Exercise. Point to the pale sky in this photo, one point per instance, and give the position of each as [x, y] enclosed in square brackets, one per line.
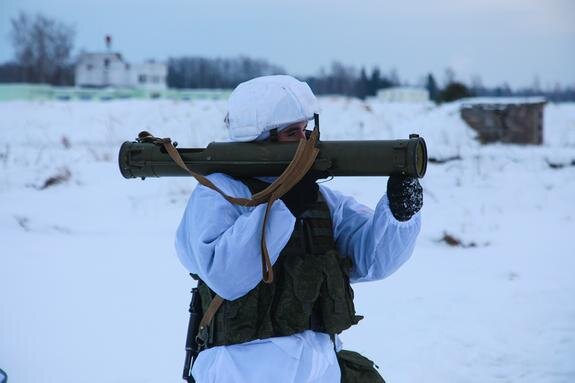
[509, 41]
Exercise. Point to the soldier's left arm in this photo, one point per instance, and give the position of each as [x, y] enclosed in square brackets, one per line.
[375, 240]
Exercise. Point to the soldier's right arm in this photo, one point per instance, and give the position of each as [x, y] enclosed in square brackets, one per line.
[220, 241]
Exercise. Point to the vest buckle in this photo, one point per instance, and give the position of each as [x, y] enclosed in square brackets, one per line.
[202, 337]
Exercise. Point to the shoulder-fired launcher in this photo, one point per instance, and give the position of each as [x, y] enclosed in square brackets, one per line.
[252, 159]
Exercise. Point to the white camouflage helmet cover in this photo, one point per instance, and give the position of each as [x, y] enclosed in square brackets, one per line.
[264, 103]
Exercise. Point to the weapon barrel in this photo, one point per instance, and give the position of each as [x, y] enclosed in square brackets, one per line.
[253, 159]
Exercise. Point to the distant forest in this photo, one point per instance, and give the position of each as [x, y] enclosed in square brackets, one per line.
[43, 54]
[340, 79]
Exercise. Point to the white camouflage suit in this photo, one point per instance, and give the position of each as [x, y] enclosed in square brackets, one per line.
[220, 242]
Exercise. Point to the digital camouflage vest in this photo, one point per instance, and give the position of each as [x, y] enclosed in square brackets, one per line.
[311, 288]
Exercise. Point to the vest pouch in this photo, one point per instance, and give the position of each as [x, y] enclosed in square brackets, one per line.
[244, 319]
[243, 306]
[356, 368]
[336, 301]
[303, 274]
[336, 270]
[298, 288]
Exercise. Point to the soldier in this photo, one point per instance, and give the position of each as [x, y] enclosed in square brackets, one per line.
[319, 241]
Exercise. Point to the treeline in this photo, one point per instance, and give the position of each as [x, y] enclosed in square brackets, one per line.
[224, 73]
[227, 73]
[42, 54]
[348, 81]
[13, 72]
[340, 79]
[557, 94]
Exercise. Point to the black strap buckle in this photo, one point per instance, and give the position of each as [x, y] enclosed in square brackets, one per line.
[147, 137]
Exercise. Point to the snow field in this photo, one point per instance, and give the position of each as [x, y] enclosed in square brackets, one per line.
[91, 290]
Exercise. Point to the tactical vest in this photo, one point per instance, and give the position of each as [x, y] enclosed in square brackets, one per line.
[310, 291]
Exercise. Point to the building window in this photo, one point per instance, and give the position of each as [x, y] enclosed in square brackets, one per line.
[89, 66]
[142, 79]
[106, 62]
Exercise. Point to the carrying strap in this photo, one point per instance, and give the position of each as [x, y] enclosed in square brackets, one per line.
[302, 161]
[202, 337]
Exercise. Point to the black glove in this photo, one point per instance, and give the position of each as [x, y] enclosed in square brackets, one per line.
[405, 196]
[302, 195]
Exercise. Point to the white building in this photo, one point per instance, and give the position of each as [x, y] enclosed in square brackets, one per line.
[99, 70]
[403, 94]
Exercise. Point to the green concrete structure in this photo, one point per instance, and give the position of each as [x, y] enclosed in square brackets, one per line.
[35, 92]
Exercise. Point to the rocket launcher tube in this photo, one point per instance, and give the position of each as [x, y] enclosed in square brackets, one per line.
[254, 159]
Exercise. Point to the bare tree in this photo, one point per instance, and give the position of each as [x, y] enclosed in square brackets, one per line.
[42, 47]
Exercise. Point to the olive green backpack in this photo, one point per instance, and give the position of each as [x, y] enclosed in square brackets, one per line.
[356, 368]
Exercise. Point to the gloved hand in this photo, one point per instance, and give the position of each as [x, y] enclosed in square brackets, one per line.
[302, 195]
[405, 196]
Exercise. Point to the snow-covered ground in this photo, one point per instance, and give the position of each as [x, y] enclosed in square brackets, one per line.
[91, 290]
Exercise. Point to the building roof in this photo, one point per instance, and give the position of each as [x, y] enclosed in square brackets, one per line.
[469, 102]
[93, 55]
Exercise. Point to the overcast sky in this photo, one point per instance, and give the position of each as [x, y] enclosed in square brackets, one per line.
[509, 41]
